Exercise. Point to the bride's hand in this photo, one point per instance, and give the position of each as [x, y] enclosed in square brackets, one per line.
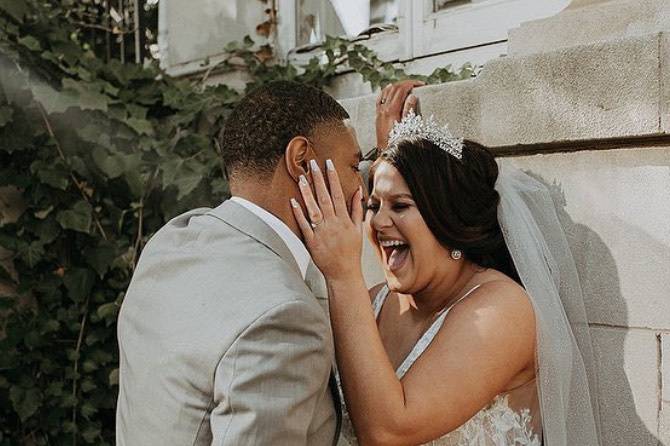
[393, 103]
[332, 236]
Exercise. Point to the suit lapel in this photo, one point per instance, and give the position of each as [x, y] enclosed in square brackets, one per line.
[248, 223]
[317, 283]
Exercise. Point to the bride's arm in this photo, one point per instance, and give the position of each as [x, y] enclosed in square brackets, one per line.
[486, 341]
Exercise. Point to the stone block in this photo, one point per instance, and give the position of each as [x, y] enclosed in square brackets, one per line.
[455, 103]
[598, 91]
[615, 207]
[349, 85]
[664, 423]
[605, 90]
[362, 113]
[627, 362]
[665, 83]
[590, 24]
[665, 367]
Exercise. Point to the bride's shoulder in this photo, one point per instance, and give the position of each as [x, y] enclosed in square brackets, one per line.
[501, 298]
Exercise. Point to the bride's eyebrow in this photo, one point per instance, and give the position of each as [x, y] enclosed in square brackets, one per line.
[391, 197]
[404, 195]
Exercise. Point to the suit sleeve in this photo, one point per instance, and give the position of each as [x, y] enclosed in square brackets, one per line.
[268, 384]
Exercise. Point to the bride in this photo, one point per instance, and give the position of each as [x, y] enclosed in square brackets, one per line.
[478, 335]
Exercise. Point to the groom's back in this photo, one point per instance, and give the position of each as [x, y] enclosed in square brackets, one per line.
[211, 327]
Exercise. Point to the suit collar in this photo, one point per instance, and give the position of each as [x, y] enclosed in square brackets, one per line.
[248, 223]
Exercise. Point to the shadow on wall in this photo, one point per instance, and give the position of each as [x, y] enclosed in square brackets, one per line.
[620, 423]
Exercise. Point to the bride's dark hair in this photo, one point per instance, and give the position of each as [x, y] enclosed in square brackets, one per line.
[456, 198]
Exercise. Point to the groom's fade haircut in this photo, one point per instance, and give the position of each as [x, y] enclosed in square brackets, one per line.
[255, 135]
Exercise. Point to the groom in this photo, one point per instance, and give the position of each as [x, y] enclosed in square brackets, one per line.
[221, 340]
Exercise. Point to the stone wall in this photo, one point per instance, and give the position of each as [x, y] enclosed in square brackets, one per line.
[590, 117]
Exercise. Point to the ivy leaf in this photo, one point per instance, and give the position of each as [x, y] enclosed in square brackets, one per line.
[141, 126]
[100, 257]
[88, 410]
[18, 9]
[25, 402]
[74, 94]
[32, 253]
[115, 164]
[5, 274]
[108, 310]
[31, 43]
[78, 218]
[47, 230]
[6, 114]
[111, 165]
[79, 283]
[52, 100]
[89, 96]
[91, 433]
[185, 176]
[44, 213]
[114, 377]
[55, 174]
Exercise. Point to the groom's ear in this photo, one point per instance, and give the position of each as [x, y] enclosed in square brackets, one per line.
[297, 155]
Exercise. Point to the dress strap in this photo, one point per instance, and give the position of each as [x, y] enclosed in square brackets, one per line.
[428, 336]
[379, 299]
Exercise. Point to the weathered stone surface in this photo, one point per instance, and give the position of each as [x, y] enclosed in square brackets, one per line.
[362, 113]
[456, 103]
[599, 91]
[586, 23]
[615, 209]
[665, 82]
[628, 385]
[372, 269]
[605, 90]
[664, 424]
[665, 367]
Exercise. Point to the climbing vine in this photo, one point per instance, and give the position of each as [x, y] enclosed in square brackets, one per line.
[101, 154]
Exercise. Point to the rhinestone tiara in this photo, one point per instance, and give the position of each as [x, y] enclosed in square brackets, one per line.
[413, 125]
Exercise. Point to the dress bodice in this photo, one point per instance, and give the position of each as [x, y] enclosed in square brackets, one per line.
[512, 418]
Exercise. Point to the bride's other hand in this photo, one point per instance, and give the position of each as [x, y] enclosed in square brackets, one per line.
[333, 237]
[393, 103]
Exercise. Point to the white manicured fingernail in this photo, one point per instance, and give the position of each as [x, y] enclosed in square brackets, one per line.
[314, 165]
[294, 203]
[330, 165]
[303, 180]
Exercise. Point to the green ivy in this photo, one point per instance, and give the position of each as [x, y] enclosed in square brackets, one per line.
[103, 154]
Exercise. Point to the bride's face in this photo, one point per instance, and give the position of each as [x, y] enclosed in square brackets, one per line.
[409, 252]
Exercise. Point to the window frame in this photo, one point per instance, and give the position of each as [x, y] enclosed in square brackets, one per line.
[423, 32]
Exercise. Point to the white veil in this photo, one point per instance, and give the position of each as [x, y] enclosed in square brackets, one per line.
[566, 377]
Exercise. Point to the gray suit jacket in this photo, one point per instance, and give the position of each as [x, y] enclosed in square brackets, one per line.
[221, 341]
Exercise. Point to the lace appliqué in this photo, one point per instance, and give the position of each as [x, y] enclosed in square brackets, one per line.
[496, 425]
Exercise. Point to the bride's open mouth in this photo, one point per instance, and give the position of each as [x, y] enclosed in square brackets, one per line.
[395, 252]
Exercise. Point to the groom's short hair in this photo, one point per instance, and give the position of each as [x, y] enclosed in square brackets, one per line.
[256, 133]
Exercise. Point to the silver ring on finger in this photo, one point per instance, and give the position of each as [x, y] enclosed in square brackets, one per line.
[382, 101]
[314, 224]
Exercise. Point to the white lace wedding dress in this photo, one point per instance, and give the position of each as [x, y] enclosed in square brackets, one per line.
[511, 419]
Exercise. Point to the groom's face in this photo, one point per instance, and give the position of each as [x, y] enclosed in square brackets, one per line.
[340, 145]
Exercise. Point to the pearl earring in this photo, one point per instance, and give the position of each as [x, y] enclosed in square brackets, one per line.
[456, 254]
